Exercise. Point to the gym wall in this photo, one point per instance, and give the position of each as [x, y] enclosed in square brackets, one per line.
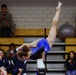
[38, 14]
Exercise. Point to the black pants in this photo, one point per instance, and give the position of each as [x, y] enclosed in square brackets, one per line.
[6, 31]
[38, 54]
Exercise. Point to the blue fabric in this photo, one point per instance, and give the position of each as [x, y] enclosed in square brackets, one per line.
[42, 43]
[68, 72]
[15, 71]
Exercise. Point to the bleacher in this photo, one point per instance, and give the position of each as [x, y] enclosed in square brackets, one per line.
[5, 42]
[30, 32]
[54, 60]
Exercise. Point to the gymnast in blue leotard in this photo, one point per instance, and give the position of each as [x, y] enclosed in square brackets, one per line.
[36, 52]
[42, 45]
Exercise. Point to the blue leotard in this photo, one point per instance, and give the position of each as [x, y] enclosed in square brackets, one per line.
[42, 43]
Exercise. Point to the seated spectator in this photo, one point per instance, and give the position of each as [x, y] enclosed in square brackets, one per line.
[4, 64]
[7, 25]
[18, 66]
[10, 54]
[71, 64]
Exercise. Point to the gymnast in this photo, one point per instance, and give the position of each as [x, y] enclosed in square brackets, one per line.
[38, 48]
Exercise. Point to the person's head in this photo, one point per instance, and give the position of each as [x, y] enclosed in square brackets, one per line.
[12, 46]
[71, 54]
[1, 53]
[23, 54]
[4, 8]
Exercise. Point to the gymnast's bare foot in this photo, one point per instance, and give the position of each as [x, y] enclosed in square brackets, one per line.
[59, 5]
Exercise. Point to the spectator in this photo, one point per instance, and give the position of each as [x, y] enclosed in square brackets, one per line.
[10, 54]
[71, 64]
[18, 66]
[6, 23]
[4, 64]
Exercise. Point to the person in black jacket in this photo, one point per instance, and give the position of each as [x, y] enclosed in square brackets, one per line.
[71, 64]
[18, 66]
[4, 64]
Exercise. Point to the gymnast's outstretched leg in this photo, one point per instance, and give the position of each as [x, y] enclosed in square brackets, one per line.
[52, 33]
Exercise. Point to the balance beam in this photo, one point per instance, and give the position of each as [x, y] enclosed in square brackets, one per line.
[41, 67]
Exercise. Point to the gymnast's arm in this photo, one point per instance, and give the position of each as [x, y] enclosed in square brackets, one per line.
[30, 45]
